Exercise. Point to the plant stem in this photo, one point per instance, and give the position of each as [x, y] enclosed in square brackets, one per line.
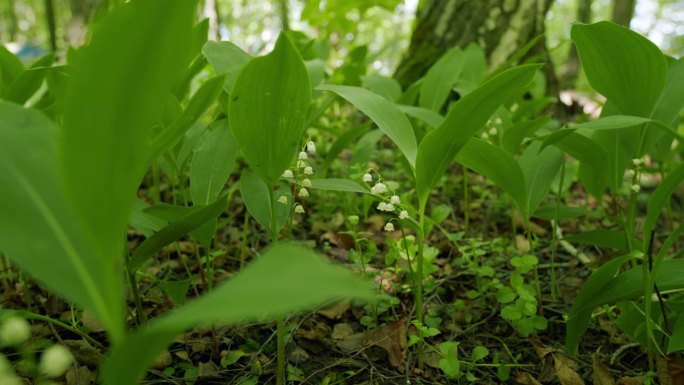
[419, 284]
[280, 328]
[466, 203]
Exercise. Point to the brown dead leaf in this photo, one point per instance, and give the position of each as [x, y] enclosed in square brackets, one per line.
[84, 352]
[163, 360]
[565, 370]
[522, 244]
[525, 378]
[91, 322]
[601, 374]
[670, 370]
[545, 354]
[345, 241]
[207, 369]
[392, 338]
[335, 311]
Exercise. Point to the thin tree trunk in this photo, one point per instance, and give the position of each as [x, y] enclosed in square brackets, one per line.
[623, 11]
[51, 23]
[500, 27]
[572, 64]
[211, 10]
[13, 27]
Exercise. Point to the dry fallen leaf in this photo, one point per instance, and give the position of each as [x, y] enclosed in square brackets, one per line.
[670, 370]
[335, 311]
[631, 380]
[392, 338]
[525, 378]
[565, 370]
[601, 374]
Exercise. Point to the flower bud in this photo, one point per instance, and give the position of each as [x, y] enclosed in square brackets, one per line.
[282, 199]
[303, 156]
[55, 361]
[306, 182]
[303, 192]
[403, 214]
[395, 200]
[389, 226]
[379, 188]
[299, 209]
[308, 170]
[353, 220]
[288, 174]
[14, 331]
[636, 188]
[367, 177]
[311, 147]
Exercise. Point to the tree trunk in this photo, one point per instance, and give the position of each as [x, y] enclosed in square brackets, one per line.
[284, 15]
[51, 23]
[212, 11]
[623, 11]
[572, 64]
[81, 11]
[13, 27]
[500, 27]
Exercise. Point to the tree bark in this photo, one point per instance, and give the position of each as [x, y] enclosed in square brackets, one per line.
[13, 27]
[51, 23]
[572, 64]
[500, 27]
[623, 11]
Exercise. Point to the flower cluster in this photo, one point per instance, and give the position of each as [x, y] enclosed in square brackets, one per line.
[301, 174]
[389, 203]
[633, 174]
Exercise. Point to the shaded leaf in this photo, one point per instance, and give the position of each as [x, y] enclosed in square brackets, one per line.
[212, 164]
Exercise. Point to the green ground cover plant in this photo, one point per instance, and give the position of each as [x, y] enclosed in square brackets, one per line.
[162, 184]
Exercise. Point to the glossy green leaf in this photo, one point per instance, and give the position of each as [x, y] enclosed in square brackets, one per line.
[497, 165]
[338, 184]
[607, 239]
[384, 86]
[283, 280]
[624, 66]
[513, 136]
[677, 338]
[212, 163]
[116, 94]
[557, 213]
[227, 59]
[579, 317]
[660, 197]
[384, 113]
[203, 233]
[432, 118]
[440, 78]
[197, 216]
[612, 122]
[29, 81]
[10, 68]
[625, 286]
[39, 229]
[267, 109]
[205, 96]
[540, 168]
[255, 194]
[467, 117]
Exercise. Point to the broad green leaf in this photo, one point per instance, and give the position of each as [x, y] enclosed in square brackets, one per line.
[343, 141]
[440, 78]
[624, 66]
[285, 279]
[116, 94]
[497, 165]
[580, 147]
[513, 136]
[227, 59]
[142, 222]
[203, 233]
[578, 317]
[267, 109]
[212, 163]
[540, 168]
[255, 194]
[432, 118]
[557, 213]
[10, 68]
[449, 362]
[384, 86]
[467, 117]
[474, 69]
[384, 113]
[660, 197]
[607, 239]
[39, 229]
[667, 110]
[338, 184]
[677, 338]
[29, 81]
[613, 122]
[202, 99]
[198, 216]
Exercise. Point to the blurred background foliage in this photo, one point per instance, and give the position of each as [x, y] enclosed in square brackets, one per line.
[374, 34]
